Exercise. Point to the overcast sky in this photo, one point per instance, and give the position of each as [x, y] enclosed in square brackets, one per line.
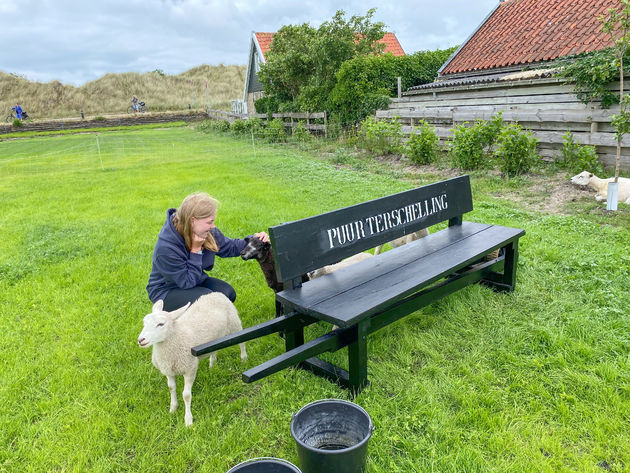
[76, 41]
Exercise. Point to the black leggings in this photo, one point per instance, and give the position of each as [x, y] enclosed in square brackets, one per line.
[177, 298]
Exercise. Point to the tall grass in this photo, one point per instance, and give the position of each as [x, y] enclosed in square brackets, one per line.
[112, 93]
[533, 381]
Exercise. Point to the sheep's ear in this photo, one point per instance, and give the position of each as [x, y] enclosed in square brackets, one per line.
[158, 306]
[247, 239]
[179, 312]
[267, 245]
[590, 174]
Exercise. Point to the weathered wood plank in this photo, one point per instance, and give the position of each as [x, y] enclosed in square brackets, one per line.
[537, 116]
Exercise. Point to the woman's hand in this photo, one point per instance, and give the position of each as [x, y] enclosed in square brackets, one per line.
[262, 236]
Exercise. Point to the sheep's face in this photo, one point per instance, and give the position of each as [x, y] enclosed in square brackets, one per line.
[158, 324]
[582, 179]
[255, 249]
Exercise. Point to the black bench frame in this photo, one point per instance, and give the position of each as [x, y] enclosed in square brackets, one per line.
[369, 295]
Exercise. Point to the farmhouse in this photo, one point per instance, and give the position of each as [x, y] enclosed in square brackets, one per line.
[507, 65]
[260, 44]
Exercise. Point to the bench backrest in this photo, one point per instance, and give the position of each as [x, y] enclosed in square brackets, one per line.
[305, 245]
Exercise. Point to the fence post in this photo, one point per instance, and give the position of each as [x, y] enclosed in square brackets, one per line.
[399, 87]
[325, 125]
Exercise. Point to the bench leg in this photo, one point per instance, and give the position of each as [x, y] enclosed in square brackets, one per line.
[505, 281]
[357, 358]
[509, 267]
[294, 338]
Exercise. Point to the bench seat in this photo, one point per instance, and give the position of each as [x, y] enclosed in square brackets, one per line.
[352, 293]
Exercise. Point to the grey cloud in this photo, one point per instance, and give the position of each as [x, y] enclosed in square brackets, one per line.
[77, 41]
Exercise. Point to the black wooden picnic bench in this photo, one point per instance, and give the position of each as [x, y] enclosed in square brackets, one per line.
[373, 293]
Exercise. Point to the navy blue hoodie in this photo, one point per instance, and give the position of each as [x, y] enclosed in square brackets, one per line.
[176, 267]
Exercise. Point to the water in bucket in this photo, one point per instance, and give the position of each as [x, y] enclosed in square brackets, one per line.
[332, 436]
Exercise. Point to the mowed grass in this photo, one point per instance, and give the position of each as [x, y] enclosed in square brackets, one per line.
[533, 381]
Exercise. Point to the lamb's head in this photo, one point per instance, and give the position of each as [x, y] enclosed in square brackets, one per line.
[582, 179]
[158, 324]
[255, 249]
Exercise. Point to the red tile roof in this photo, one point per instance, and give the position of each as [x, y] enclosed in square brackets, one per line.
[528, 31]
[389, 39]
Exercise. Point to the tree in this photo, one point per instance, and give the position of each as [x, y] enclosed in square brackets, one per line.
[617, 24]
[303, 61]
[365, 84]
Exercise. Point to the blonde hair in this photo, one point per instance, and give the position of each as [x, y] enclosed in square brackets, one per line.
[198, 205]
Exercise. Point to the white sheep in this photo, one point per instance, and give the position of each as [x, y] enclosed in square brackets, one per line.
[342, 264]
[403, 240]
[173, 334]
[589, 179]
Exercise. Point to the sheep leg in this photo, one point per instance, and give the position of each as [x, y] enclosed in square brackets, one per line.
[189, 379]
[243, 352]
[172, 387]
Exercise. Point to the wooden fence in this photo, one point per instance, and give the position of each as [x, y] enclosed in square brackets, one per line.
[547, 107]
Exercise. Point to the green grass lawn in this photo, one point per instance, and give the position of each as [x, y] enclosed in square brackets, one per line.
[533, 381]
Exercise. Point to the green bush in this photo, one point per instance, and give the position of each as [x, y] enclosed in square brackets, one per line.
[381, 136]
[467, 147]
[275, 132]
[491, 130]
[422, 146]
[516, 150]
[365, 83]
[470, 146]
[300, 132]
[267, 104]
[17, 123]
[240, 127]
[99, 119]
[257, 127]
[221, 125]
[207, 126]
[576, 158]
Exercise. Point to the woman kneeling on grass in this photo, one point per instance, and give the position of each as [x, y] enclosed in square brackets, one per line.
[185, 248]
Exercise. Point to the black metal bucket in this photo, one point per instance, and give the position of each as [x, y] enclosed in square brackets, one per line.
[332, 436]
[265, 465]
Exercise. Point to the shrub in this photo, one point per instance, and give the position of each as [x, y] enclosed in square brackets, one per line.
[220, 125]
[381, 136]
[266, 104]
[207, 126]
[491, 130]
[257, 127]
[300, 133]
[576, 158]
[240, 127]
[364, 84]
[275, 132]
[471, 145]
[99, 119]
[422, 147]
[467, 149]
[17, 123]
[516, 150]
[342, 156]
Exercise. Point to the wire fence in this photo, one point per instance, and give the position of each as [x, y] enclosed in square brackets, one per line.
[90, 152]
